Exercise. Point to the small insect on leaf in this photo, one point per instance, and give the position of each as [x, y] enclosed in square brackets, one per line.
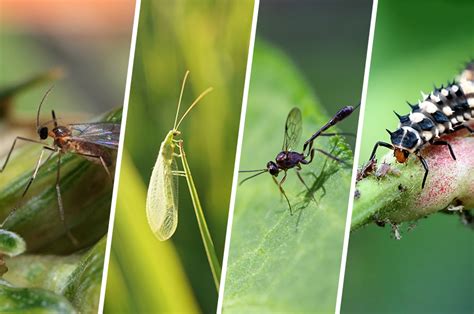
[162, 196]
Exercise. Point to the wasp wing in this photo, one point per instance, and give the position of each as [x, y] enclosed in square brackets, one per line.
[100, 133]
[293, 129]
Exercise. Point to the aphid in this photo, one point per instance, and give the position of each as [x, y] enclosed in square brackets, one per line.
[288, 158]
[443, 111]
[92, 141]
[366, 169]
[162, 196]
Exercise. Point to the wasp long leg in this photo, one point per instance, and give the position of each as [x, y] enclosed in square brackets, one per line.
[282, 191]
[338, 133]
[379, 143]
[304, 183]
[60, 203]
[13, 147]
[338, 117]
[425, 165]
[331, 156]
[444, 143]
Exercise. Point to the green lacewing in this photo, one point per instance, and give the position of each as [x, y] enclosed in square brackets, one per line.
[162, 196]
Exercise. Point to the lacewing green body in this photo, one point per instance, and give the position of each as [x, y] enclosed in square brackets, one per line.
[162, 196]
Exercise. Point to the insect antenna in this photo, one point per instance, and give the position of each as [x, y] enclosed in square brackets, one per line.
[204, 93]
[260, 171]
[41, 103]
[180, 97]
[176, 122]
[55, 121]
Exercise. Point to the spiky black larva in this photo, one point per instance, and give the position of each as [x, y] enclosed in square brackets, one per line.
[443, 111]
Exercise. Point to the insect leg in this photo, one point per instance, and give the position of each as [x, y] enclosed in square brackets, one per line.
[339, 133]
[101, 159]
[425, 165]
[180, 173]
[331, 156]
[38, 165]
[463, 126]
[33, 176]
[283, 191]
[304, 183]
[446, 144]
[18, 138]
[60, 203]
[374, 150]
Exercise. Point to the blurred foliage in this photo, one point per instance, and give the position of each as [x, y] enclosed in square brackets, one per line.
[209, 38]
[59, 284]
[275, 259]
[431, 268]
[31, 300]
[332, 62]
[92, 66]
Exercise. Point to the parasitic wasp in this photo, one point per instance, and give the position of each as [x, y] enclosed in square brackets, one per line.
[289, 157]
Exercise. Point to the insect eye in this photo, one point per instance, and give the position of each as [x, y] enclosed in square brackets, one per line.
[272, 168]
[43, 133]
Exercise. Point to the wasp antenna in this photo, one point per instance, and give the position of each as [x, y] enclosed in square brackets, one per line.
[252, 176]
[41, 103]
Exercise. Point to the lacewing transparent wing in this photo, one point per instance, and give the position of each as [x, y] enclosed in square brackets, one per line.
[100, 133]
[162, 196]
[293, 129]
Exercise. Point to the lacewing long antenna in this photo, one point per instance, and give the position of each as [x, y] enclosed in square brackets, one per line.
[41, 103]
[180, 97]
[204, 93]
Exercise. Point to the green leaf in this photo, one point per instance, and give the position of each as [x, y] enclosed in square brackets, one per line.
[279, 262]
[83, 285]
[76, 277]
[31, 300]
[11, 244]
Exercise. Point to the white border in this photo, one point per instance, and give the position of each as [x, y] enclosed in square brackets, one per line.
[237, 155]
[356, 157]
[119, 156]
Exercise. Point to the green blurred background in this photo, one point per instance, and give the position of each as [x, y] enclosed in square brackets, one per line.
[278, 263]
[90, 43]
[327, 41]
[210, 38]
[431, 269]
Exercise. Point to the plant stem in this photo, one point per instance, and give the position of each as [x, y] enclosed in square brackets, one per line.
[398, 197]
[206, 236]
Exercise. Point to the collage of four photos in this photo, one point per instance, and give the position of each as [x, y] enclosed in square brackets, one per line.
[254, 156]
